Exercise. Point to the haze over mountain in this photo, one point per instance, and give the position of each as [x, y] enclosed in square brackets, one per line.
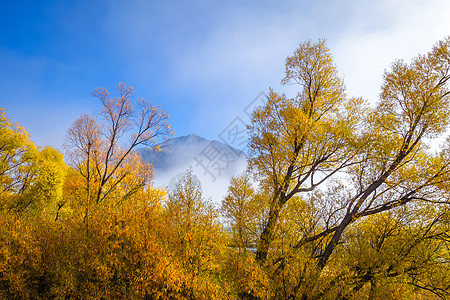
[213, 162]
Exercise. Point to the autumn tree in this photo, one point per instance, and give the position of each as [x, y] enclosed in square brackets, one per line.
[96, 147]
[395, 167]
[392, 255]
[242, 212]
[31, 196]
[17, 156]
[195, 237]
[30, 178]
[382, 154]
[299, 143]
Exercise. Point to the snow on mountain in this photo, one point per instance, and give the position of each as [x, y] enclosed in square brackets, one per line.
[213, 162]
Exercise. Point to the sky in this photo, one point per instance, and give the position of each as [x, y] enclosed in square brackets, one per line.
[203, 62]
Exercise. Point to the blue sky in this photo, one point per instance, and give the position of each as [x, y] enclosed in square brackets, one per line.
[202, 61]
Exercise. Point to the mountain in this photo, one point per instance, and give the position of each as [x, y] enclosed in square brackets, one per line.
[213, 162]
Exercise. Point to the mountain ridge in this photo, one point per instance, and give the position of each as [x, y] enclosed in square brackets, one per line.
[162, 158]
[212, 161]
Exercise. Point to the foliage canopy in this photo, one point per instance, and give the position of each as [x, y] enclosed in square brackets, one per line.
[341, 200]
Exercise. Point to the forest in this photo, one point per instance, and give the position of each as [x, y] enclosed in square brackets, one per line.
[342, 198]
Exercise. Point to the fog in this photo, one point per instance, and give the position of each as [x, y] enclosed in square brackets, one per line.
[213, 162]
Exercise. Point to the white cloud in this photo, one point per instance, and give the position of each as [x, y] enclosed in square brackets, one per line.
[219, 56]
[247, 51]
[364, 52]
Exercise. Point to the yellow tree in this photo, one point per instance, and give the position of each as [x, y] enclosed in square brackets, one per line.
[194, 236]
[30, 178]
[382, 153]
[31, 182]
[395, 167]
[46, 190]
[398, 254]
[242, 212]
[298, 143]
[17, 156]
[112, 179]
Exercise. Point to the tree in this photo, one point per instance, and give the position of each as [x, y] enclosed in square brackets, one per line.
[31, 179]
[195, 237]
[242, 212]
[297, 144]
[382, 153]
[31, 188]
[395, 168]
[96, 150]
[391, 254]
[17, 156]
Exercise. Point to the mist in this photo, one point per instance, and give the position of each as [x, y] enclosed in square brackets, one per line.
[213, 162]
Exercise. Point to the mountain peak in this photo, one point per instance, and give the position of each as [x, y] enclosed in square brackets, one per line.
[213, 162]
[193, 138]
